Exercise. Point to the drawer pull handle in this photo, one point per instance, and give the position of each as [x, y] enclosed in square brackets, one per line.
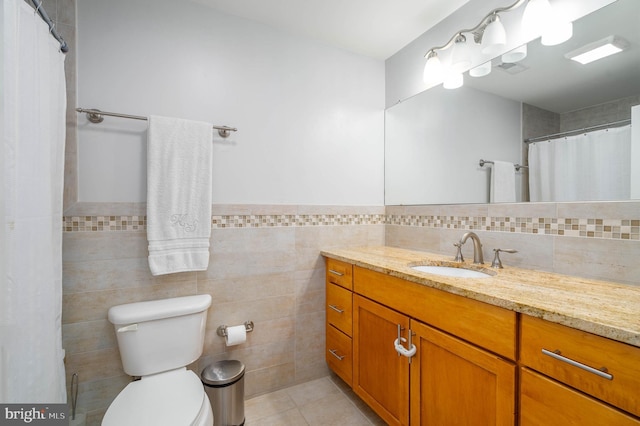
[333, 352]
[557, 355]
[336, 272]
[335, 308]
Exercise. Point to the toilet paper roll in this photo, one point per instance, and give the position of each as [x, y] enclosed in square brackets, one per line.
[236, 335]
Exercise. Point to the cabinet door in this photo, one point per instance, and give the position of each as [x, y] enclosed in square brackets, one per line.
[544, 401]
[455, 383]
[380, 376]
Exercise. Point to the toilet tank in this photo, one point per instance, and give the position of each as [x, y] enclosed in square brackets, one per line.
[160, 335]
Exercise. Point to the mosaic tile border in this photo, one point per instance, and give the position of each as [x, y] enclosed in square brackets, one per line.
[572, 227]
[139, 223]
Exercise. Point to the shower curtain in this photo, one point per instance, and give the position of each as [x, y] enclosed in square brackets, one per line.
[593, 166]
[31, 169]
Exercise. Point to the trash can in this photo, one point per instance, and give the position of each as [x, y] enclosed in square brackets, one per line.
[224, 384]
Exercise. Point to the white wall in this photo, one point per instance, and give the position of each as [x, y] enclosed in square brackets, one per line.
[434, 141]
[310, 116]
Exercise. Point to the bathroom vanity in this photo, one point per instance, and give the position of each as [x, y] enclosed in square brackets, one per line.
[516, 347]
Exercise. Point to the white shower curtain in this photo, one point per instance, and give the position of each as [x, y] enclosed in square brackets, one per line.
[592, 166]
[31, 169]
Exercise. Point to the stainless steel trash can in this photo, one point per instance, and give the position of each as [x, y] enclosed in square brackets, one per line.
[224, 384]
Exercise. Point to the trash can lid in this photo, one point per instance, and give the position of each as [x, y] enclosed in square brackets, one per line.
[222, 372]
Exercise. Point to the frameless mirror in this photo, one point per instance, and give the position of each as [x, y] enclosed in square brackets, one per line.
[434, 140]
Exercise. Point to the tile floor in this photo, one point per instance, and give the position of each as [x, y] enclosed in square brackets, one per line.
[325, 401]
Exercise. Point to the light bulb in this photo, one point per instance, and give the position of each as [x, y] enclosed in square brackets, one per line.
[535, 17]
[559, 31]
[460, 56]
[494, 37]
[515, 55]
[433, 71]
[453, 80]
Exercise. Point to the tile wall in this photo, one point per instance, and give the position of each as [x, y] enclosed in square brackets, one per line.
[599, 240]
[265, 266]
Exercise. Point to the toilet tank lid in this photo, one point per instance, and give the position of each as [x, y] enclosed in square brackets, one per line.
[157, 309]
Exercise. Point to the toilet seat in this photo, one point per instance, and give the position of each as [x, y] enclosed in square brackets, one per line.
[172, 398]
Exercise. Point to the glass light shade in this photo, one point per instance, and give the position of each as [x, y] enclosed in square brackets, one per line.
[433, 72]
[461, 55]
[535, 17]
[494, 37]
[515, 55]
[481, 70]
[558, 31]
[453, 80]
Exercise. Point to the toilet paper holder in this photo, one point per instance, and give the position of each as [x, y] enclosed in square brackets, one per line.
[222, 330]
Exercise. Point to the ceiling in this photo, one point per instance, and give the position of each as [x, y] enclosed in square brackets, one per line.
[374, 28]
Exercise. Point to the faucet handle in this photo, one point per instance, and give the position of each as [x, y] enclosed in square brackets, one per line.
[458, 257]
[497, 263]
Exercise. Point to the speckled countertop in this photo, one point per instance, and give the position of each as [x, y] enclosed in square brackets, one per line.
[603, 308]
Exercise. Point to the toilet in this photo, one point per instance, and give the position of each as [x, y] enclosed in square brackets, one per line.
[157, 340]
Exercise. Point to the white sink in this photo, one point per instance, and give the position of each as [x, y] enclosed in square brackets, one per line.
[449, 271]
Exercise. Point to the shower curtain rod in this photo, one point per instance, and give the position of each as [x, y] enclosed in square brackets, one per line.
[96, 116]
[64, 47]
[578, 131]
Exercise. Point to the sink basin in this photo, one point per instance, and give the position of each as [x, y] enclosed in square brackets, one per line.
[449, 271]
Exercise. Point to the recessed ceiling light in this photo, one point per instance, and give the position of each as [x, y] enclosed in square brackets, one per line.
[598, 50]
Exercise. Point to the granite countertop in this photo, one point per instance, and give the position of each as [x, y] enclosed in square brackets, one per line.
[607, 309]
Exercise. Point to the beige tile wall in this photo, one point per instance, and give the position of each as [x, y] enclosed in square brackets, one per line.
[265, 266]
[598, 240]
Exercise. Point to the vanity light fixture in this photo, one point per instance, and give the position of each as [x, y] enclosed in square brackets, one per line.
[460, 56]
[490, 38]
[494, 37]
[515, 55]
[598, 50]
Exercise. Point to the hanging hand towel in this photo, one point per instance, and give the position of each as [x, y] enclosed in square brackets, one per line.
[503, 183]
[179, 184]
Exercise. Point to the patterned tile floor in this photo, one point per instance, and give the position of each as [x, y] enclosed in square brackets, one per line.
[325, 401]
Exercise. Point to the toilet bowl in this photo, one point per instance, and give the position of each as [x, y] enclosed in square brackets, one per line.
[157, 340]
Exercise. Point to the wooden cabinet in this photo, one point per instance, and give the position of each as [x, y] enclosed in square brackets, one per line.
[474, 363]
[340, 273]
[339, 348]
[544, 401]
[455, 383]
[482, 324]
[380, 376]
[448, 381]
[604, 369]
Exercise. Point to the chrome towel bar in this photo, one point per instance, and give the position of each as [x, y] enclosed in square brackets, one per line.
[97, 116]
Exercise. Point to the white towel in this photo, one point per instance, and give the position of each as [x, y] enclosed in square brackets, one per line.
[503, 183]
[179, 184]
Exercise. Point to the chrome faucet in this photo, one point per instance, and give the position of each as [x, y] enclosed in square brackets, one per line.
[477, 246]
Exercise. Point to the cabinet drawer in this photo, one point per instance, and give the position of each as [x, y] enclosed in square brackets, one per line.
[339, 308]
[485, 325]
[340, 273]
[546, 402]
[339, 354]
[566, 354]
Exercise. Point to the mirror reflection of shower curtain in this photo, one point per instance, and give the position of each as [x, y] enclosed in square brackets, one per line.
[592, 166]
[31, 182]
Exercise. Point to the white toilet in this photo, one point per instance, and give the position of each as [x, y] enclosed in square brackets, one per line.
[157, 340]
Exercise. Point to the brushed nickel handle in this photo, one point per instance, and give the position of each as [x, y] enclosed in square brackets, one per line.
[335, 308]
[557, 355]
[333, 352]
[336, 272]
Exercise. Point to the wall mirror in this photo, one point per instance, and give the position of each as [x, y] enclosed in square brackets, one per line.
[435, 139]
